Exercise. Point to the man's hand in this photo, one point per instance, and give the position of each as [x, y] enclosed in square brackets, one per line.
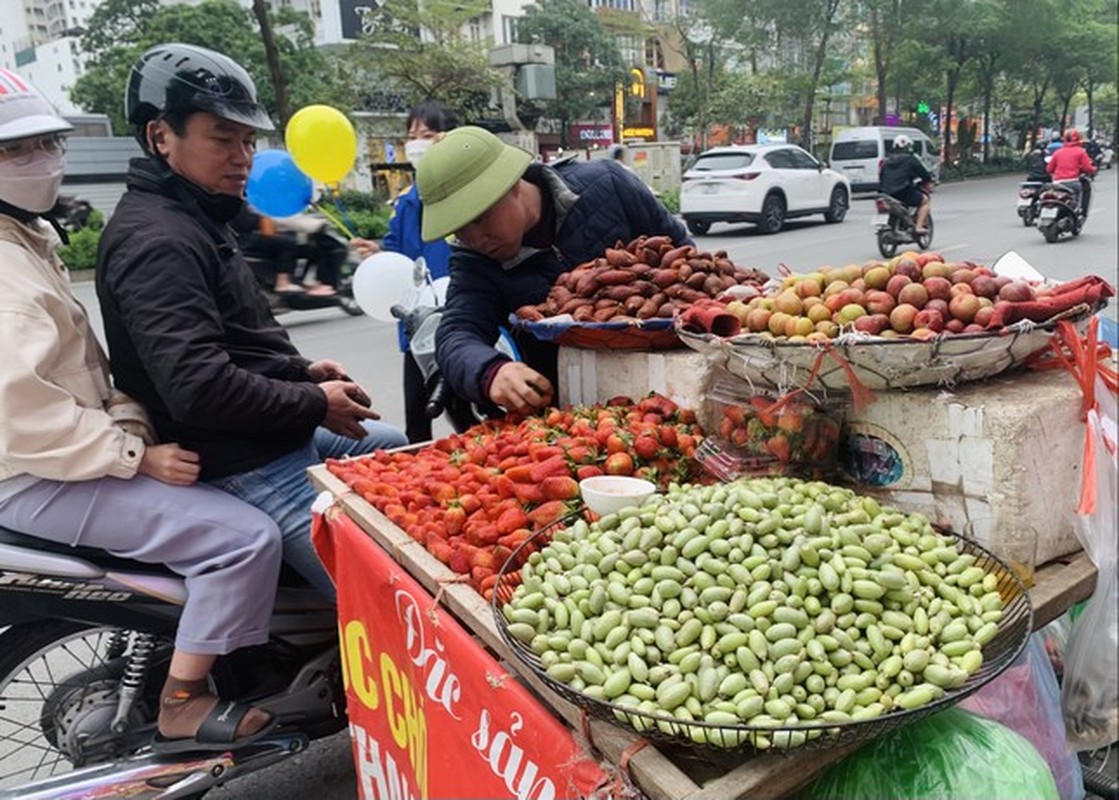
[518, 387]
[347, 405]
[171, 464]
[327, 370]
[364, 247]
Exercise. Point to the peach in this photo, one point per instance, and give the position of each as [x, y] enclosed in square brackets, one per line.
[819, 313]
[877, 277]
[985, 286]
[936, 269]
[963, 275]
[929, 318]
[909, 268]
[938, 288]
[915, 294]
[964, 307]
[835, 287]
[954, 326]
[850, 313]
[788, 302]
[923, 334]
[973, 328]
[929, 257]
[897, 283]
[777, 322]
[799, 326]
[901, 318]
[828, 328]
[758, 320]
[940, 306]
[853, 295]
[879, 302]
[960, 288]
[983, 316]
[808, 287]
[1016, 292]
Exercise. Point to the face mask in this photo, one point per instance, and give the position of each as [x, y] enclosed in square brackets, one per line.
[34, 186]
[414, 149]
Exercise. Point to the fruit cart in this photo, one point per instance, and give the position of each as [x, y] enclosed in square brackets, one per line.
[657, 770]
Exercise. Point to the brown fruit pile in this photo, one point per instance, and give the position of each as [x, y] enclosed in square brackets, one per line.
[647, 278]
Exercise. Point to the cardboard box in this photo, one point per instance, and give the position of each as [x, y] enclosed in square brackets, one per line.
[591, 376]
[1004, 454]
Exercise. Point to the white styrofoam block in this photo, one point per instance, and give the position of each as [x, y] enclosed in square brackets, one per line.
[590, 376]
[1004, 454]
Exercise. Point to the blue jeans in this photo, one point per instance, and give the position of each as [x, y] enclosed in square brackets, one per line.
[282, 490]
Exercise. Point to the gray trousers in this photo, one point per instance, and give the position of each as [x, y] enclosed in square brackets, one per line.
[228, 552]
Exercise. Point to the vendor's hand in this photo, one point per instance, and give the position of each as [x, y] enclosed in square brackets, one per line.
[347, 405]
[365, 247]
[171, 464]
[326, 370]
[518, 387]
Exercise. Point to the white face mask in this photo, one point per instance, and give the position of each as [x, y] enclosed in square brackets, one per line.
[414, 149]
[35, 186]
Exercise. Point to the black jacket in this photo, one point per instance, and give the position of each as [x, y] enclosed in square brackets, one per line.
[900, 171]
[191, 335]
[1035, 166]
[596, 204]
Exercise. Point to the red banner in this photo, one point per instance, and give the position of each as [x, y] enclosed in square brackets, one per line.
[432, 715]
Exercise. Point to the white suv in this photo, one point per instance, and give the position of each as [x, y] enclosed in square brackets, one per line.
[765, 184]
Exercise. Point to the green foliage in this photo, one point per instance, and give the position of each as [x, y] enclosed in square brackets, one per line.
[367, 221]
[588, 63]
[443, 64]
[671, 200]
[974, 168]
[120, 30]
[81, 253]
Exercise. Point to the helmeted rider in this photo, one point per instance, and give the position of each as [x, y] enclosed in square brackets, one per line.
[897, 179]
[1068, 164]
[190, 333]
[1036, 162]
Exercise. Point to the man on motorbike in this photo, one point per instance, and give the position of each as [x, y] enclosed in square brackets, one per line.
[898, 177]
[520, 225]
[1036, 164]
[1068, 164]
[80, 466]
[190, 334]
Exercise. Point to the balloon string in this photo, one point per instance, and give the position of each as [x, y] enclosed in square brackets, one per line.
[342, 210]
[333, 218]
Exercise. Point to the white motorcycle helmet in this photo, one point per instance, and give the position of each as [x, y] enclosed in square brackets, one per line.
[903, 142]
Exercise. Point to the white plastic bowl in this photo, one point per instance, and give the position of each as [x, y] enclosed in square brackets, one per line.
[606, 494]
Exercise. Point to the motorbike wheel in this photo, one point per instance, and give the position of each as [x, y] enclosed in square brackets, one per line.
[54, 674]
[1028, 218]
[698, 228]
[351, 307]
[925, 239]
[886, 244]
[1051, 233]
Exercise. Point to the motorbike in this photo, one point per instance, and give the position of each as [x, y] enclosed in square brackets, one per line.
[895, 224]
[1028, 192]
[1060, 209]
[333, 256]
[86, 650]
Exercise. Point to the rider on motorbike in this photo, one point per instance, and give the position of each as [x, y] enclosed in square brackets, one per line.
[897, 176]
[79, 464]
[1068, 164]
[1036, 163]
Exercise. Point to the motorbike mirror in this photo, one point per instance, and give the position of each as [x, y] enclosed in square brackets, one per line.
[382, 281]
[1012, 265]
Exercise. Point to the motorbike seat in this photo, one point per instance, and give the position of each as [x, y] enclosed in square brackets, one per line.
[96, 555]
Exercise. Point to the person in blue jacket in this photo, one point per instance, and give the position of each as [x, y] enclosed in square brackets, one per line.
[519, 224]
[426, 123]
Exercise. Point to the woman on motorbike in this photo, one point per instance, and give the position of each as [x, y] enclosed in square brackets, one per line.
[426, 123]
[78, 462]
[1068, 164]
[897, 179]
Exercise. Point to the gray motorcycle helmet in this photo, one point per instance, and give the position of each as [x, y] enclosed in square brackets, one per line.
[181, 78]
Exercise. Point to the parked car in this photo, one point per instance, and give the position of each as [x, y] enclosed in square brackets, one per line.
[763, 184]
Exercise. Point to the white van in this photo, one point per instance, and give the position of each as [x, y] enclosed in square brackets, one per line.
[858, 153]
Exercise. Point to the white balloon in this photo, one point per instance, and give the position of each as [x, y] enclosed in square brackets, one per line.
[383, 280]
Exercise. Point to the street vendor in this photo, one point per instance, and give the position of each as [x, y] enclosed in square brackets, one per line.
[519, 225]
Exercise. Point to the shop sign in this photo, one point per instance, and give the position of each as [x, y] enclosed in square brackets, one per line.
[666, 81]
[591, 135]
[431, 713]
[639, 133]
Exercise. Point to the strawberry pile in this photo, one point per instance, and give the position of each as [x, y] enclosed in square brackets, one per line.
[472, 498]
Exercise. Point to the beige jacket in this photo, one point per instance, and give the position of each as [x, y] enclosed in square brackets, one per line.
[59, 417]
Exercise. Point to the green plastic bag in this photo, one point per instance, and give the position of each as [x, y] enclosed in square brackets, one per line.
[953, 755]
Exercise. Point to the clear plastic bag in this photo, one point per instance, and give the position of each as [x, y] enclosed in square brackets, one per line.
[1090, 692]
[953, 755]
[1027, 699]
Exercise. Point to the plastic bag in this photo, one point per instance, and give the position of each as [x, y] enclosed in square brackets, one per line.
[953, 755]
[1027, 699]
[1090, 693]
[1055, 637]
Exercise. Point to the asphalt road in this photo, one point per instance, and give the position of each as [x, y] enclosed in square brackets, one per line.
[974, 220]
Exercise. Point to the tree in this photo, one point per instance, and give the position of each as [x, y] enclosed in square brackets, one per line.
[120, 30]
[419, 50]
[588, 64]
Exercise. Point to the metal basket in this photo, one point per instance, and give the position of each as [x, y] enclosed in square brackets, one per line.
[1013, 633]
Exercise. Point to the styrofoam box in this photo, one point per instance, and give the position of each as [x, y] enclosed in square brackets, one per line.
[591, 376]
[1004, 453]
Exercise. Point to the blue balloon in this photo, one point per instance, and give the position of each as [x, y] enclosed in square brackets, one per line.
[276, 187]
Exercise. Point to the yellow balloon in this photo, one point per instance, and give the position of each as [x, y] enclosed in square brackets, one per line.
[322, 142]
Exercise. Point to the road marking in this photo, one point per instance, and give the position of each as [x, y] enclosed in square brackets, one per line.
[950, 247]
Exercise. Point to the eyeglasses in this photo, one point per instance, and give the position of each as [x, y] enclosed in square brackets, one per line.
[22, 151]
